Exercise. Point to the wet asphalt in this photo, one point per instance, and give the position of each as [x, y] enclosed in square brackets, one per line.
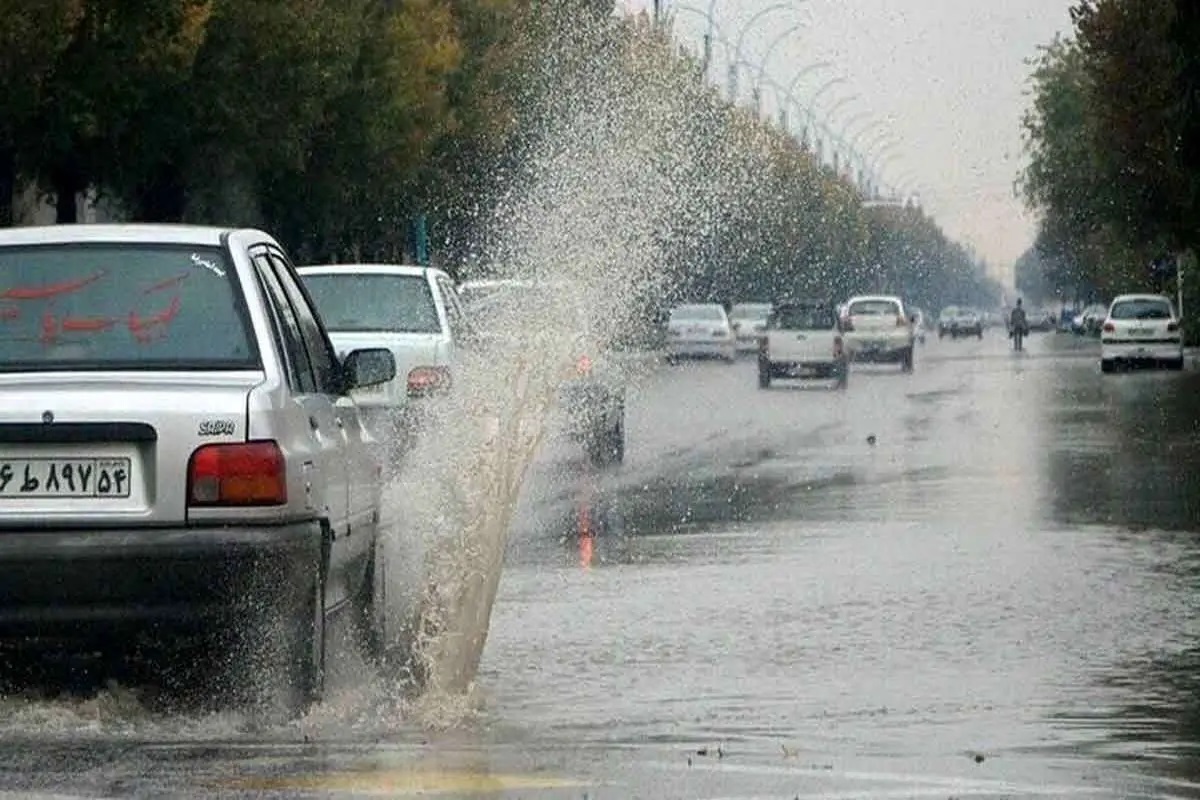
[975, 580]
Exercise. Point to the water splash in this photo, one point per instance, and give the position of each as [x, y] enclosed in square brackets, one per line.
[620, 172]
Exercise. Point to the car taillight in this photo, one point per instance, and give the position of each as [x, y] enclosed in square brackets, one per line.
[1109, 327]
[584, 365]
[242, 474]
[1172, 327]
[423, 380]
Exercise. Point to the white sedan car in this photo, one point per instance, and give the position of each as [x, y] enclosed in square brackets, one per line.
[1141, 329]
[877, 329]
[749, 322]
[700, 330]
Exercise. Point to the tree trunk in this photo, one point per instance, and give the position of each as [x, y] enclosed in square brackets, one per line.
[8, 187]
[164, 199]
[67, 188]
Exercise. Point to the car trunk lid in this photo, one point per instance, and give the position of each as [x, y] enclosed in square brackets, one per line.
[111, 449]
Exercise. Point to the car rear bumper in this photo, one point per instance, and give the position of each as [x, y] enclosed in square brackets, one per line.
[1141, 351]
[87, 584]
[748, 341]
[719, 348]
[878, 348]
[807, 368]
[588, 406]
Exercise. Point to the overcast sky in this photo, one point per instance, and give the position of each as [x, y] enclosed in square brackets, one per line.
[947, 78]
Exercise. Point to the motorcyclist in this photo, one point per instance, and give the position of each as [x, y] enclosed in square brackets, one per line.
[1018, 324]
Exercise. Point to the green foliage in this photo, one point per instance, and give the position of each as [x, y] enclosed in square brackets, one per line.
[1112, 135]
[333, 122]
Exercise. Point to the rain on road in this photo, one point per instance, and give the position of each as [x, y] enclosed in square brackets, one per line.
[995, 598]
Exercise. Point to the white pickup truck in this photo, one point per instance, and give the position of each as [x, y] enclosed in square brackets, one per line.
[802, 340]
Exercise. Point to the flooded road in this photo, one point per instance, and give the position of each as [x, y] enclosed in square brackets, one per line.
[975, 580]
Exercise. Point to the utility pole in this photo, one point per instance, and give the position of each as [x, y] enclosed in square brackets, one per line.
[657, 12]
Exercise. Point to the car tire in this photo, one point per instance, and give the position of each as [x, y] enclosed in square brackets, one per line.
[306, 644]
[1175, 364]
[607, 444]
[1107, 366]
[368, 607]
[979, 333]
[764, 374]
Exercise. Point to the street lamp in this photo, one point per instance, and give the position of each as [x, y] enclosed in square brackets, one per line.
[737, 47]
[762, 65]
[789, 94]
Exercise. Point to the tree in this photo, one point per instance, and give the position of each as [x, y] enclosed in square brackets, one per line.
[116, 59]
[32, 38]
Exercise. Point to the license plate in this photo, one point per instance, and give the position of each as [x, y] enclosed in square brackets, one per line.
[65, 477]
[1141, 331]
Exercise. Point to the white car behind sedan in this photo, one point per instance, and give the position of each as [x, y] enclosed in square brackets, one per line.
[700, 330]
[410, 310]
[1141, 329]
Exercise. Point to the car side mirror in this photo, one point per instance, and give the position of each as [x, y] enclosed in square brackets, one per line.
[367, 367]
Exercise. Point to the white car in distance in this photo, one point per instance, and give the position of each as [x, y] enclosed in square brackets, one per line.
[412, 311]
[803, 340]
[1141, 329]
[749, 321]
[700, 330]
[878, 329]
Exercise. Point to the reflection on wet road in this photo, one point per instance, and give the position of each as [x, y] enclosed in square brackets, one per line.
[975, 580]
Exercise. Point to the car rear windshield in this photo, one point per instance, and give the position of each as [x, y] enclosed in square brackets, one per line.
[697, 313]
[1147, 308]
[121, 306]
[750, 311]
[804, 318]
[354, 302]
[874, 308]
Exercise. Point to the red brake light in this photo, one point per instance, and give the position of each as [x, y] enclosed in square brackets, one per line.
[424, 380]
[242, 474]
[584, 365]
[1109, 327]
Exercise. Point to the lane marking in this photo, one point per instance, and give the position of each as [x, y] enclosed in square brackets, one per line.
[963, 784]
[399, 782]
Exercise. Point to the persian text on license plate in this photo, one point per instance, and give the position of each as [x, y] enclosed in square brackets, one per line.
[64, 477]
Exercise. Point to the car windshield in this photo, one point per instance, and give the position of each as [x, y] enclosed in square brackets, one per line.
[751, 311]
[874, 308]
[121, 306]
[357, 302]
[1142, 308]
[697, 314]
[804, 317]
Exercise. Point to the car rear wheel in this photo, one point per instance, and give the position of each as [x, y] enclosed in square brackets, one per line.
[306, 648]
[1175, 364]
[607, 445]
[1107, 366]
[764, 374]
